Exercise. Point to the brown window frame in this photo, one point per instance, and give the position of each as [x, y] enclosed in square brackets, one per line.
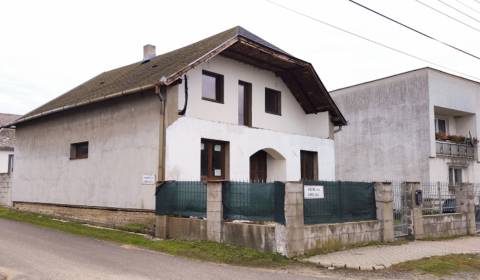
[209, 146]
[277, 106]
[303, 165]
[247, 103]
[219, 87]
[75, 148]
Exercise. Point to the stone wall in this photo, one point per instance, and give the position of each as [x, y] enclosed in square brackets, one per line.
[186, 228]
[109, 217]
[322, 235]
[444, 225]
[5, 190]
[259, 237]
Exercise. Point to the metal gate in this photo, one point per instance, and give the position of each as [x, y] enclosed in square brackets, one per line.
[400, 209]
[477, 205]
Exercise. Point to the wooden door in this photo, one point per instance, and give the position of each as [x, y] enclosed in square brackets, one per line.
[258, 167]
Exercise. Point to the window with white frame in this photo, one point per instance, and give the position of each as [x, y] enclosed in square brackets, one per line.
[454, 176]
[441, 125]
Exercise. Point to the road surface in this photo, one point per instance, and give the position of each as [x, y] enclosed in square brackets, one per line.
[30, 252]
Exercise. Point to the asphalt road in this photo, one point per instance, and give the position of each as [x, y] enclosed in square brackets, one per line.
[29, 252]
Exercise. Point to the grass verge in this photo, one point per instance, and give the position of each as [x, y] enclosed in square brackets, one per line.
[202, 250]
[443, 265]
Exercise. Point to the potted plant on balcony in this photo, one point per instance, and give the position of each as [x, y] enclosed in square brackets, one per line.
[441, 136]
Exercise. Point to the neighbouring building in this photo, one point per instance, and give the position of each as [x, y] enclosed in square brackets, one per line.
[7, 143]
[231, 106]
[420, 125]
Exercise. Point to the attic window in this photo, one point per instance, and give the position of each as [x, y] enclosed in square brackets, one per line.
[212, 86]
[273, 101]
[79, 150]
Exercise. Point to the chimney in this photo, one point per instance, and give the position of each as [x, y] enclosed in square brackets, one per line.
[148, 52]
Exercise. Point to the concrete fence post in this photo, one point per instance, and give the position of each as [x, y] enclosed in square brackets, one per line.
[465, 203]
[384, 203]
[415, 215]
[293, 231]
[161, 226]
[214, 211]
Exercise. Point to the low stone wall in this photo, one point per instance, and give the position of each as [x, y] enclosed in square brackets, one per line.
[259, 237]
[323, 235]
[99, 216]
[5, 190]
[256, 236]
[186, 228]
[444, 225]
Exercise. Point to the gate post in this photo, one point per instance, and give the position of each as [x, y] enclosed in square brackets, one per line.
[415, 215]
[290, 238]
[214, 211]
[384, 202]
[465, 203]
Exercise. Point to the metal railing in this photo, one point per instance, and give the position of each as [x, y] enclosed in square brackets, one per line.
[460, 150]
[476, 188]
[438, 198]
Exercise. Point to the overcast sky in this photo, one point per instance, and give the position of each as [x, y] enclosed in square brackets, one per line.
[49, 47]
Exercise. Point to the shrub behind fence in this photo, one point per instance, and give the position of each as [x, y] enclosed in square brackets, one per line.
[182, 198]
[342, 202]
[254, 201]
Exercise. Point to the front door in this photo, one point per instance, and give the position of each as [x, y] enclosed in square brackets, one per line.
[258, 167]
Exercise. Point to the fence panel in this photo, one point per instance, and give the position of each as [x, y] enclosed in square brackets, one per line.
[182, 198]
[477, 205]
[342, 202]
[254, 201]
[400, 209]
[438, 198]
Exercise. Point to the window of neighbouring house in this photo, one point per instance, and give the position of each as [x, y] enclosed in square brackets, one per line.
[244, 103]
[441, 126]
[212, 86]
[213, 156]
[79, 150]
[273, 101]
[309, 165]
[10, 163]
[454, 176]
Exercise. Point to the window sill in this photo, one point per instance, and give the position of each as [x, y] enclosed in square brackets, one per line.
[212, 100]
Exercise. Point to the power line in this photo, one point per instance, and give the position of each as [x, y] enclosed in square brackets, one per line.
[468, 6]
[370, 40]
[458, 10]
[447, 15]
[414, 30]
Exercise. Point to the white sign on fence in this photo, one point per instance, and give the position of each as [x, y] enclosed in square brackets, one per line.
[313, 192]
[148, 179]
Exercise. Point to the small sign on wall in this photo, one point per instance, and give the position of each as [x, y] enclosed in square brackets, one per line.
[313, 192]
[148, 179]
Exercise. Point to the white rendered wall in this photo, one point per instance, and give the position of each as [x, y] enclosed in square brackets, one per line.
[123, 137]
[183, 149]
[4, 161]
[292, 120]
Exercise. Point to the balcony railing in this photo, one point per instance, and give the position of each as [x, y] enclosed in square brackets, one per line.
[458, 150]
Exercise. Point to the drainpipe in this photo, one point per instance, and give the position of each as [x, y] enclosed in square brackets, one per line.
[184, 109]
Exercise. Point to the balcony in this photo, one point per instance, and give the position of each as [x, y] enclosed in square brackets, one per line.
[456, 150]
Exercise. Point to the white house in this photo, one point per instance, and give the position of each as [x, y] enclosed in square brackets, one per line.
[231, 106]
[420, 125]
[7, 143]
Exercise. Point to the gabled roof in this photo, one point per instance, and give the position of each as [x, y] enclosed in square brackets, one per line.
[165, 69]
[7, 136]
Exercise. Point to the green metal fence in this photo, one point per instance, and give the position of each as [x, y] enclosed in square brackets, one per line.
[341, 202]
[182, 198]
[254, 201]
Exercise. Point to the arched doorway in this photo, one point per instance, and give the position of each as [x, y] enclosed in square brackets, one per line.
[267, 165]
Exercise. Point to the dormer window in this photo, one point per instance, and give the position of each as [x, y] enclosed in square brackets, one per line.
[212, 86]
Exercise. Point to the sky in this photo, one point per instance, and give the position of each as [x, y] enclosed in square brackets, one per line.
[49, 47]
